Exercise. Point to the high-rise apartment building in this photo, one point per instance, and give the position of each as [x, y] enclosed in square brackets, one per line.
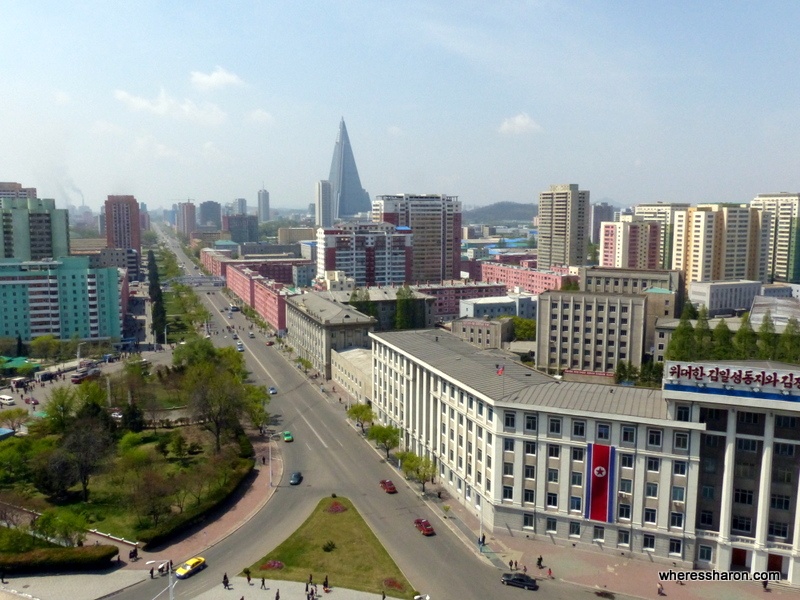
[240, 206]
[721, 242]
[186, 219]
[33, 228]
[601, 213]
[563, 226]
[630, 244]
[243, 228]
[347, 195]
[663, 214]
[324, 204]
[210, 215]
[123, 227]
[10, 189]
[783, 244]
[370, 253]
[263, 206]
[435, 223]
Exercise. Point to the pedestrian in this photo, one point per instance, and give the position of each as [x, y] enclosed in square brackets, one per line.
[263, 460]
[383, 595]
[325, 583]
[511, 565]
[310, 578]
[306, 588]
[225, 581]
[539, 561]
[524, 569]
[764, 583]
[248, 579]
[278, 595]
[3, 576]
[549, 573]
[660, 589]
[515, 565]
[151, 573]
[263, 585]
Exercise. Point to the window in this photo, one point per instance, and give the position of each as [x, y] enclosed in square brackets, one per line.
[744, 445]
[625, 511]
[651, 489]
[707, 492]
[527, 521]
[530, 448]
[777, 529]
[676, 519]
[489, 414]
[552, 475]
[576, 479]
[599, 533]
[683, 413]
[553, 450]
[681, 441]
[552, 499]
[648, 542]
[784, 449]
[709, 465]
[508, 468]
[749, 418]
[780, 502]
[653, 464]
[574, 528]
[530, 422]
[508, 492]
[743, 496]
[577, 454]
[679, 468]
[603, 431]
[626, 461]
[675, 547]
[551, 525]
[628, 434]
[785, 422]
[554, 426]
[529, 496]
[654, 438]
[508, 444]
[575, 503]
[650, 515]
[509, 419]
[625, 486]
[782, 475]
[579, 429]
[704, 553]
[742, 524]
[706, 518]
[623, 538]
[744, 470]
[678, 493]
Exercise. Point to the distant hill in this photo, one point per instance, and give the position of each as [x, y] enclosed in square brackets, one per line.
[501, 213]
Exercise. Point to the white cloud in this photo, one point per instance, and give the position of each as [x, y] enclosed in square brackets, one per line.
[210, 151]
[261, 116]
[520, 123]
[103, 127]
[219, 78]
[61, 97]
[149, 145]
[165, 105]
[394, 131]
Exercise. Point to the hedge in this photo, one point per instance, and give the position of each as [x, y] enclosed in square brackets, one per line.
[79, 558]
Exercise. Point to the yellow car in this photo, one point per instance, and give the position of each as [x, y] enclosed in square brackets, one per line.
[190, 567]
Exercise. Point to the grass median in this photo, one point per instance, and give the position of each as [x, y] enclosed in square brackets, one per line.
[335, 541]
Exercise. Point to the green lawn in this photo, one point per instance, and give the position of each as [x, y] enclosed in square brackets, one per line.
[358, 562]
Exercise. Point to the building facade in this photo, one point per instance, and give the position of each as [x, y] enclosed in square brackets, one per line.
[630, 245]
[483, 333]
[210, 215]
[724, 297]
[522, 278]
[435, 223]
[370, 253]
[601, 213]
[243, 228]
[348, 198]
[323, 198]
[563, 226]
[186, 219]
[13, 190]
[449, 294]
[662, 213]
[514, 305]
[263, 206]
[783, 241]
[33, 228]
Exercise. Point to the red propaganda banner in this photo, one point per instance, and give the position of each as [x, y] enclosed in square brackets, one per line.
[600, 483]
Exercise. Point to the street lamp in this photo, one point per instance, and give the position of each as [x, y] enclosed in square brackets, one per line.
[168, 565]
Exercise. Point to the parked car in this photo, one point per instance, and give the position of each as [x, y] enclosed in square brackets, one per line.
[295, 478]
[190, 567]
[520, 580]
[424, 526]
[387, 486]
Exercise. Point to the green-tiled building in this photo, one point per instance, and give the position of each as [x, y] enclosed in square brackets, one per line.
[64, 297]
[33, 229]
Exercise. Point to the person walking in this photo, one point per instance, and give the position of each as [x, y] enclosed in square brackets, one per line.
[524, 569]
[511, 565]
[151, 573]
[263, 585]
[225, 581]
[515, 565]
[549, 573]
[278, 595]
[660, 589]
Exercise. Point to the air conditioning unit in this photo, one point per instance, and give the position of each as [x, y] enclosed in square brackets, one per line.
[677, 505]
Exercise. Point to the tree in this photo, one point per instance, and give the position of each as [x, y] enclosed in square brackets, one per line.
[704, 340]
[621, 372]
[88, 443]
[570, 286]
[524, 329]
[194, 352]
[767, 338]
[361, 413]
[216, 397]
[54, 472]
[61, 405]
[722, 342]
[133, 417]
[424, 471]
[21, 351]
[408, 462]
[745, 340]
[45, 346]
[789, 342]
[386, 437]
[404, 315]
[689, 311]
[61, 526]
[14, 418]
[682, 345]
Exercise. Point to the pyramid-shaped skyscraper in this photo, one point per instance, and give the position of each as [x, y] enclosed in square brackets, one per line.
[348, 197]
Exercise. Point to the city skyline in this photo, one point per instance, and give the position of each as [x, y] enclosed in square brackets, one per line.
[637, 103]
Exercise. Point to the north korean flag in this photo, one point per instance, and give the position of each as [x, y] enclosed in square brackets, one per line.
[600, 483]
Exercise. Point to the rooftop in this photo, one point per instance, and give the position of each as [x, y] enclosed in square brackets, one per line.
[327, 311]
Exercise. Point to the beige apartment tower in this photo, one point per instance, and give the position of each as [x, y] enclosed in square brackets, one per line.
[563, 226]
[783, 244]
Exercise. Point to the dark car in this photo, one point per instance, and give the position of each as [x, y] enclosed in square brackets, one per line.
[387, 486]
[295, 478]
[424, 526]
[520, 580]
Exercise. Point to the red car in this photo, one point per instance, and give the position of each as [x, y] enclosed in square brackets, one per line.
[387, 486]
[31, 400]
[424, 526]
[270, 343]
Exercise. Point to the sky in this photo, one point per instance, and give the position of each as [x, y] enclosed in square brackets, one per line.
[636, 101]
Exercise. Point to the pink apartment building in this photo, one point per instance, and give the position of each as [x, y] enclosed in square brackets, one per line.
[525, 279]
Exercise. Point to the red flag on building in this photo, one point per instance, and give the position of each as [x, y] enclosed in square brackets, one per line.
[600, 480]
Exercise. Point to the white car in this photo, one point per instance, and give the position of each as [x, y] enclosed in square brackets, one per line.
[240, 346]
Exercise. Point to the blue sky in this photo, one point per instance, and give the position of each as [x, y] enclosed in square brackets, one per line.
[490, 101]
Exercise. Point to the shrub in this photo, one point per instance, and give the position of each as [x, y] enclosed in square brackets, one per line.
[329, 546]
[53, 560]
